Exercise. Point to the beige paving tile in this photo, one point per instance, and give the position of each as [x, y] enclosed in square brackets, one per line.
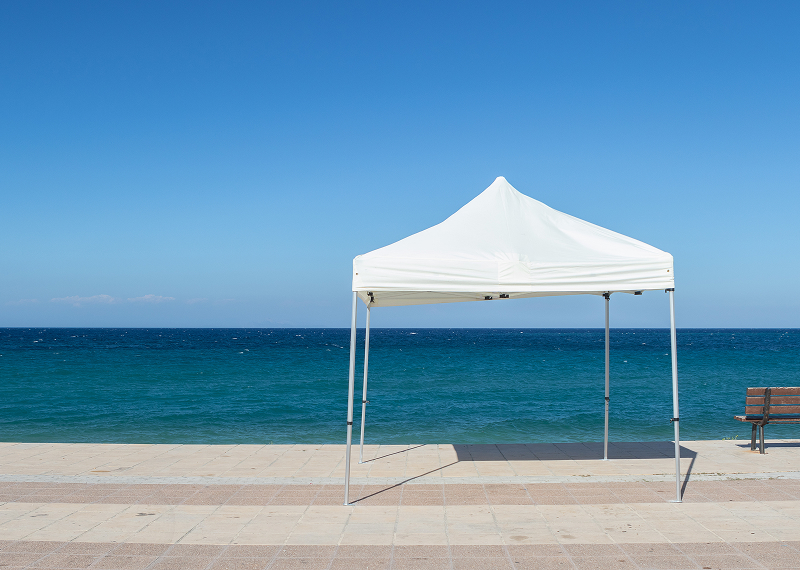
[529, 536]
[373, 515]
[257, 538]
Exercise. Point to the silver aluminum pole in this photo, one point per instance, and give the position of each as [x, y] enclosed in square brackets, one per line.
[364, 395]
[605, 441]
[350, 391]
[675, 416]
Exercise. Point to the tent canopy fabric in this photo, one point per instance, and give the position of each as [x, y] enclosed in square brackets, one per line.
[505, 245]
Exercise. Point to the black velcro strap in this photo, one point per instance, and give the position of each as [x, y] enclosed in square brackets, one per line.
[349, 423]
[674, 419]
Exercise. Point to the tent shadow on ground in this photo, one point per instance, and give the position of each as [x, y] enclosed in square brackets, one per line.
[576, 452]
[550, 452]
[568, 451]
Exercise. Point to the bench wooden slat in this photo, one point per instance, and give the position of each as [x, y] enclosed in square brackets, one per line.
[782, 391]
[774, 410]
[753, 400]
[785, 391]
[784, 401]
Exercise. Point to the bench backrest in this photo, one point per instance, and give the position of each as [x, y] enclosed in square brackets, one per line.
[773, 404]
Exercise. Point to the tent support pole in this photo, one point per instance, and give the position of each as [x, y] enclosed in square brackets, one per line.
[364, 395]
[675, 416]
[350, 390]
[605, 440]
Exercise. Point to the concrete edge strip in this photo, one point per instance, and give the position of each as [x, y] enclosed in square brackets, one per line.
[487, 480]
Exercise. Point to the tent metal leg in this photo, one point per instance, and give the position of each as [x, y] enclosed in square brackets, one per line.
[364, 395]
[605, 439]
[675, 412]
[350, 390]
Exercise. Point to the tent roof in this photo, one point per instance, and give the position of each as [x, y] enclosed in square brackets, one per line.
[504, 244]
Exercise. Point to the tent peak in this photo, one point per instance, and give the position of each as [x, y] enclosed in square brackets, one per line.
[500, 181]
[500, 184]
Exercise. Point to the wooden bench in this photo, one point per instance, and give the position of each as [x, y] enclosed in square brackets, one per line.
[770, 406]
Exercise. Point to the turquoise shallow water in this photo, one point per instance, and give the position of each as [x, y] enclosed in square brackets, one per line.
[426, 385]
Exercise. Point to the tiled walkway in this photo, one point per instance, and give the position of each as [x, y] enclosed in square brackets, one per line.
[433, 506]
[134, 556]
[741, 490]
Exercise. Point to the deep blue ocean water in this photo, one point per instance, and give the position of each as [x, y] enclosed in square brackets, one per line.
[426, 385]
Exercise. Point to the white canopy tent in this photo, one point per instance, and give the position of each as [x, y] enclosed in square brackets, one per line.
[505, 245]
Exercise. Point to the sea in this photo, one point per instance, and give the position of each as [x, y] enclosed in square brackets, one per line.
[284, 386]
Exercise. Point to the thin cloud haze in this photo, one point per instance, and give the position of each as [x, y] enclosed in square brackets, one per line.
[78, 301]
[151, 299]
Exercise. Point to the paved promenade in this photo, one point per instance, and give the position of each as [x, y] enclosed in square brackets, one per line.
[413, 507]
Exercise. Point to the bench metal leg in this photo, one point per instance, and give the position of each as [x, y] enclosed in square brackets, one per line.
[762, 439]
[753, 437]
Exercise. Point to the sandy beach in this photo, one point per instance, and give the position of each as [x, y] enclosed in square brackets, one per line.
[415, 506]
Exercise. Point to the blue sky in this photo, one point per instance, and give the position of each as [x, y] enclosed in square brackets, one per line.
[221, 163]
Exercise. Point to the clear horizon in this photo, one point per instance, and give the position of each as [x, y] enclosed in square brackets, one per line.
[373, 328]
